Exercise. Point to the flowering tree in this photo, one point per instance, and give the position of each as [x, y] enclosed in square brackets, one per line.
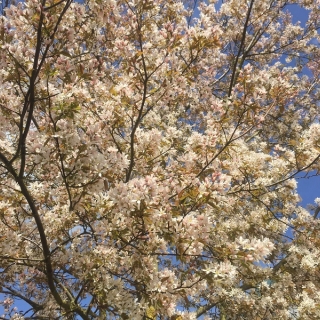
[148, 154]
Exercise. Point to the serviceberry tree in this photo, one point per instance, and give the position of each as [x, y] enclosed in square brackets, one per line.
[148, 156]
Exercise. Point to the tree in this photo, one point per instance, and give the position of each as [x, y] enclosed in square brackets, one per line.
[148, 154]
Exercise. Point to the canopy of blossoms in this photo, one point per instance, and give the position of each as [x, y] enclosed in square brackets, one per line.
[148, 156]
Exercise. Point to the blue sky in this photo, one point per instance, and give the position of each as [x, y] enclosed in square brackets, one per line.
[309, 189]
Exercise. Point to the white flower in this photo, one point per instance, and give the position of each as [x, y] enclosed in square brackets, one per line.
[317, 201]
